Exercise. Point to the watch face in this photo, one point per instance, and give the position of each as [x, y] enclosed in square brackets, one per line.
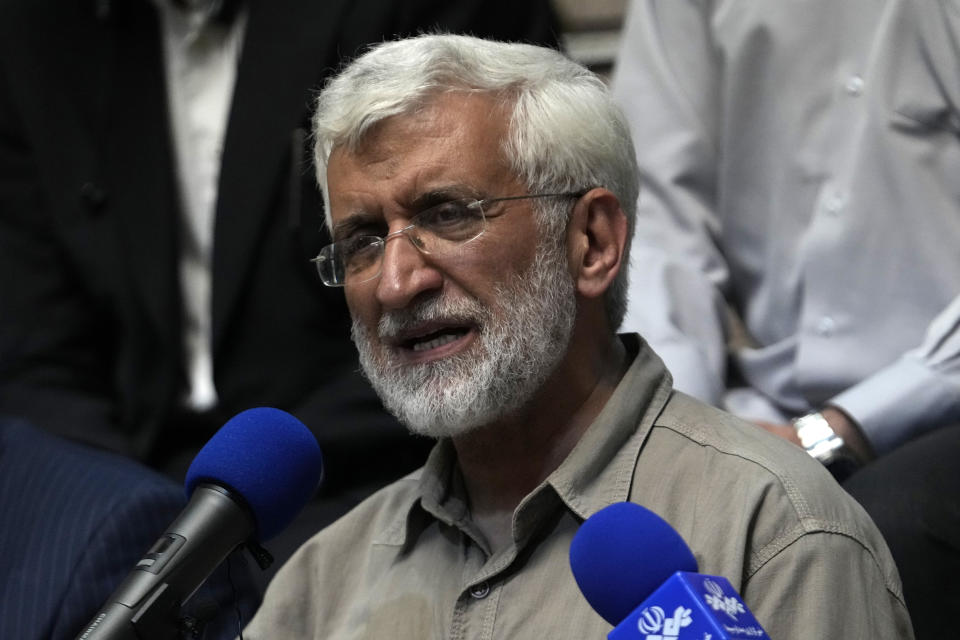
[824, 445]
[813, 429]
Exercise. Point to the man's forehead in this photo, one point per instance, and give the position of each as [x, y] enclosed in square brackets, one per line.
[453, 114]
[453, 140]
[369, 157]
[359, 181]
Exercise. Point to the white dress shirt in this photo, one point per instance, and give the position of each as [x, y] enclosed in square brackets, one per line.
[201, 57]
[801, 164]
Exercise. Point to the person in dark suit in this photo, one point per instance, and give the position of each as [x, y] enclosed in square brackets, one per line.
[93, 323]
[75, 522]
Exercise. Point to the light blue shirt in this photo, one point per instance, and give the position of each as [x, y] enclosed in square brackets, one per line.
[800, 165]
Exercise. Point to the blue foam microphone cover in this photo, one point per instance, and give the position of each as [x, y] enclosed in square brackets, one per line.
[622, 554]
[266, 456]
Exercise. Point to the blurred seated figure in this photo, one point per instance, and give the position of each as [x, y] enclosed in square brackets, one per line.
[799, 264]
[158, 214]
[75, 522]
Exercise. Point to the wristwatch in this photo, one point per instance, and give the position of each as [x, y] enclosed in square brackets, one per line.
[820, 440]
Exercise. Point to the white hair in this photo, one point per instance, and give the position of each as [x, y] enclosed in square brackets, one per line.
[565, 132]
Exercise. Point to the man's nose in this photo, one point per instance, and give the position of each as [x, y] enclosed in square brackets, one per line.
[406, 272]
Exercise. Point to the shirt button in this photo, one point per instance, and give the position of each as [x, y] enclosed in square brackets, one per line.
[854, 86]
[93, 197]
[480, 591]
[834, 203]
[826, 326]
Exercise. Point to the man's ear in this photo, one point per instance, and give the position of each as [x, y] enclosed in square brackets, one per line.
[596, 239]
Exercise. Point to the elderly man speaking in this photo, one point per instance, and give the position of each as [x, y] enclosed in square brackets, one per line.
[481, 198]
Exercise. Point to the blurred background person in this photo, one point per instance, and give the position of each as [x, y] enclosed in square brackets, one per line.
[796, 260]
[75, 522]
[158, 214]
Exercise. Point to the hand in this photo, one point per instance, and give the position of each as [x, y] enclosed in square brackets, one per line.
[785, 431]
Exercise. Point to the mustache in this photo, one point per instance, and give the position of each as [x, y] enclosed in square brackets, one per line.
[460, 310]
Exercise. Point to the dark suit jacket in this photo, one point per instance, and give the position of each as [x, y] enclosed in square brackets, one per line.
[75, 522]
[90, 310]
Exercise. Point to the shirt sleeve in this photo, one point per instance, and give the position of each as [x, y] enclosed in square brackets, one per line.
[666, 81]
[917, 393]
[827, 585]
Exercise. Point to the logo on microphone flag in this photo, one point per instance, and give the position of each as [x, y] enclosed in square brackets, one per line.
[730, 605]
[700, 607]
[653, 620]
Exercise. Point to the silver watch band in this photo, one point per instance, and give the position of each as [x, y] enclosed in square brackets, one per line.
[819, 438]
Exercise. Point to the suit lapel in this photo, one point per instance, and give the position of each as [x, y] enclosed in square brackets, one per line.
[139, 164]
[287, 45]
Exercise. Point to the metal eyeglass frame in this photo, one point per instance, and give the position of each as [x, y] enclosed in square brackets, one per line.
[381, 241]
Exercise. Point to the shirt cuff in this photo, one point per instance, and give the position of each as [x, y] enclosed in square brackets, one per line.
[900, 403]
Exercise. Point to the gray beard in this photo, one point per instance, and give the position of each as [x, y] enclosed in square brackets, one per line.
[512, 358]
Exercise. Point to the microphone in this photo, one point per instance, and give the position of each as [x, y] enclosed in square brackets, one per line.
[637, 572]
[244, 486]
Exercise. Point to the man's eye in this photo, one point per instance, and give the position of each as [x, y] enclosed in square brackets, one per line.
[358, 247]
[450, 215]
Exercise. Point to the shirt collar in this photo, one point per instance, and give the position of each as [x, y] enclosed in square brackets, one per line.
[189, 18]
[598, 472]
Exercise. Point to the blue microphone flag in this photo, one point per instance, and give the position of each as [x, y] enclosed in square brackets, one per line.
[691, 606]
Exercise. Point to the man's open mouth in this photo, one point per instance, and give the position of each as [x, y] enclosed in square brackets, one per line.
[435, 339]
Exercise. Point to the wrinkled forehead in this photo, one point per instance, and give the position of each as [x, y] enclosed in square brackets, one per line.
[453, 112]
[455, 139]
[454, 126]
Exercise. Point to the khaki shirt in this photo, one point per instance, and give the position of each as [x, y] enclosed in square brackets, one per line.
[408, 564]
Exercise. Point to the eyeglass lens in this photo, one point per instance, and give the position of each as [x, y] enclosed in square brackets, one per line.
[437, 230]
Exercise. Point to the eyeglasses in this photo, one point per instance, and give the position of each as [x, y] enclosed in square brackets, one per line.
[437, 231]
